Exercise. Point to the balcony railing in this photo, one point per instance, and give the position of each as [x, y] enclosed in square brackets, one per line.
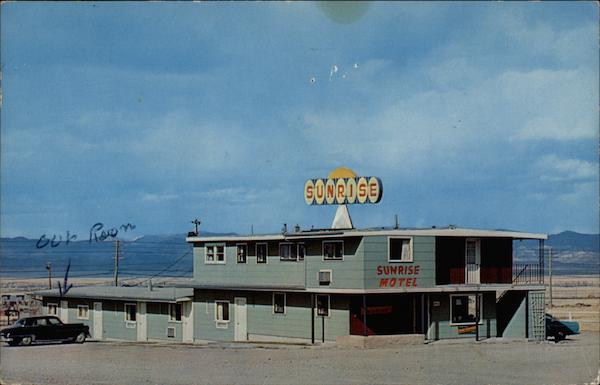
[527, 274]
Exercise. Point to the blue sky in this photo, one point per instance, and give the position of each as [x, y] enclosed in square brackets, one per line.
[475, 114]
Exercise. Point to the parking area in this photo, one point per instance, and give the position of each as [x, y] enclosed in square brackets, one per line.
[496, 361]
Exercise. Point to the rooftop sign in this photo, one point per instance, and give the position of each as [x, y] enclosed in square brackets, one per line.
[343, 187]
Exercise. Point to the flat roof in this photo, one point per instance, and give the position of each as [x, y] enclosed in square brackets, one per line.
[462, 288]
[157, 294]
[337, 233]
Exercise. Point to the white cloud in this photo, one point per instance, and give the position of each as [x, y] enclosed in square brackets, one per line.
[559, 104]
[158, 197]
[555, 169]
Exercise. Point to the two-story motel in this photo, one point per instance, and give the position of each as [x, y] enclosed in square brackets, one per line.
[328, 284]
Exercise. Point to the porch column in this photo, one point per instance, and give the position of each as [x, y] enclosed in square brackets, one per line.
[541, 262]
[364, 300]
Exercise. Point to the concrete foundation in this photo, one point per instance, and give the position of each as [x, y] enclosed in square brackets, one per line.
[380, 341]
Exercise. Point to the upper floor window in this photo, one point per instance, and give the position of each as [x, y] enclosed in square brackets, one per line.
[215, 253]
[261, 253]
[333, 250]
[301, 251]
[242, 252]
[288, 252]
[400, 250]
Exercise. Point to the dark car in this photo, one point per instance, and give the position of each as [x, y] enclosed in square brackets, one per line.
[560, 329]
[45, 328]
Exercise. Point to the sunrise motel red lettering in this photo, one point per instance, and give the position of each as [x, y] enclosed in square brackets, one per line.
[398, 281]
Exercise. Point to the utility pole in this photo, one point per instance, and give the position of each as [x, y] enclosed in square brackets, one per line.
[117, 243]
[49, 268]
[550, 272]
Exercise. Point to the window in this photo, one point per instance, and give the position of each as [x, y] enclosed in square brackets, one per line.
[287, 252]
[242, 252]
[333, 249]
[130, 312]
[279, 303]
[301, 251]
[323, 305]
[261, 253]
[174, 312]
[221, 314]
[40, 322]
[400, 250]
[53, 321]
[83, 312]
[324, 277]
[463, 309]
[215, 253]
[52, 309]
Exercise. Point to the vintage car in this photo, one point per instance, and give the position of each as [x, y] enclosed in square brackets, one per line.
[41, 329]
[560, 329]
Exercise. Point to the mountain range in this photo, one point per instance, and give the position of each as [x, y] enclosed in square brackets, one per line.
[170, 255]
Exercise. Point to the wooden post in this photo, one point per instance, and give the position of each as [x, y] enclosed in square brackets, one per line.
[364, 306]
[477, 315]
[323, 328]
[312, 318]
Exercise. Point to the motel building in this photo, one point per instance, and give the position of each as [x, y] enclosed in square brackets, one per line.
[360, 287]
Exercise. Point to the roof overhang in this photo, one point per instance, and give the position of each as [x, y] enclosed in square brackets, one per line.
[435, 232]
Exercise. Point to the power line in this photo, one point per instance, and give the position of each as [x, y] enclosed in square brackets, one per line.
[165, 269]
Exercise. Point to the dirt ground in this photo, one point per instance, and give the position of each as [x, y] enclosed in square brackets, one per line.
[494, 361]
[577, 298]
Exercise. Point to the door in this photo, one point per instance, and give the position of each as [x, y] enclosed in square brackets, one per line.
[64, 311]
[142, 334]
[187, 321]
[240, 317]
[98, 320]
[472, 260]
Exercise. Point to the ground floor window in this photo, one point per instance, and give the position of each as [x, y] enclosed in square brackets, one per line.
[463, 308]
[130, 312]
[279, 303]
[174, 312]
[221, 313]
[83, 312]
[323, 305]
[52, 309]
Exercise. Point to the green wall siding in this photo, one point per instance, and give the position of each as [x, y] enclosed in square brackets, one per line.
[113, 322]
[295, 323]
[158, 320]
[358, 269]
[516, 326]
[274, 271]
[204, 316]
[346, 274]
[376, 254]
